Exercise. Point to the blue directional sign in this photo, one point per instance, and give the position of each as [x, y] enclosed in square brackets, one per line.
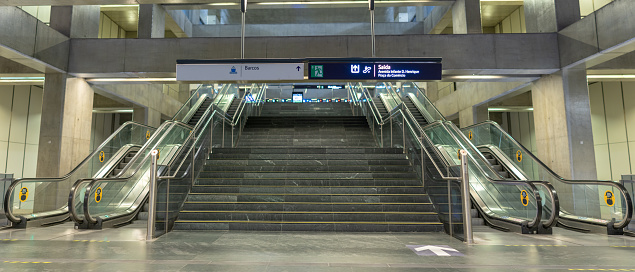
[376, 70]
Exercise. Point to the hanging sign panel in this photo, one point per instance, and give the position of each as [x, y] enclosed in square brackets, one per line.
[375, 70]
[240, 71]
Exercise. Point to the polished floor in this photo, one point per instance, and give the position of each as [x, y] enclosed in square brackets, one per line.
[62, 248]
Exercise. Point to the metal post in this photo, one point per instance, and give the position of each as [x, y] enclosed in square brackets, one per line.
[381, 132]
[153, 195]
[391, 132]
[465, 194]
[450, 208]
[242, 36]
[423, 172]
[372, 30]
[403, 132]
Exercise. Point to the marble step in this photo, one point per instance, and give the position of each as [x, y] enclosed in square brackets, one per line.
[309, 182]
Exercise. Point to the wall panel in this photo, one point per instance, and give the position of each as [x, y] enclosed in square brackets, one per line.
[629, 108]
[30, 160]
[614, 108]
[598, 117]
[620, 160]
[15, 161]
[19, 113]
[603, 161]
[6, 100]
[4, 147]
[35, 116]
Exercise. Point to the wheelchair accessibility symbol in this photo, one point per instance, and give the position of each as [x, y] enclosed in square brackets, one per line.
[524, 198]
[98, 193]
[609, 198]
[24, 194]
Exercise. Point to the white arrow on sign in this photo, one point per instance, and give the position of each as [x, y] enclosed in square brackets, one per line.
[440, 251]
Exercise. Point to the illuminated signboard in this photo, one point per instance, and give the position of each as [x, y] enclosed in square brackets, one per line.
[375, 70]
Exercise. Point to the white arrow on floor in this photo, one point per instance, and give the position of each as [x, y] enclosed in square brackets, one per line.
[440, 251]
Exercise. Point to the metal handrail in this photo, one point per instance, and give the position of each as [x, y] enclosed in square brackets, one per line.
[372, 105]
[188, 101]
[14, 184]
[241, 105]
[620, 187]
[89, 187]
[423, 95]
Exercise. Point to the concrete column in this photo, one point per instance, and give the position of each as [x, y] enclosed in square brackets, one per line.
[473, 115]
[64, 135]
[550, 15]
[562, 117]
[466, 17]
[76, 21]
[151, 21]
[146, 116]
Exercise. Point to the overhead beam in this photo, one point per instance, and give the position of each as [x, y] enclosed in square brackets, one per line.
[27, 41]
[601, 36]
[462, 54]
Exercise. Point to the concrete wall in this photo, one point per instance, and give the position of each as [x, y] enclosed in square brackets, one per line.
[613, 120]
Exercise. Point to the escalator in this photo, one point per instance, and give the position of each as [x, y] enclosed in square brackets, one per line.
[585, 206]
[41, 201]
[506, 205]
[182, 144]
[122, 195]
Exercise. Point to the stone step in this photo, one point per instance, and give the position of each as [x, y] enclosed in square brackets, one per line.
[244, 162]
[305, 174]
[306, 189]
[320, 198]
[310, 226]
[321, 168]
[300, 216]
[310, 182]
[308, 206]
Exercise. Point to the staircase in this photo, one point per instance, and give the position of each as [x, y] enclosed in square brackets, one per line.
[339, 131]
[308, 174]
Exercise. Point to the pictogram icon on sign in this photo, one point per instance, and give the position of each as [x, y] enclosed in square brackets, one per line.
[148, 134]
[609, 198]
[470, 135]
[24, 194]
[98, 193]
[519, 156]
[102, 156]
[524, 198]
